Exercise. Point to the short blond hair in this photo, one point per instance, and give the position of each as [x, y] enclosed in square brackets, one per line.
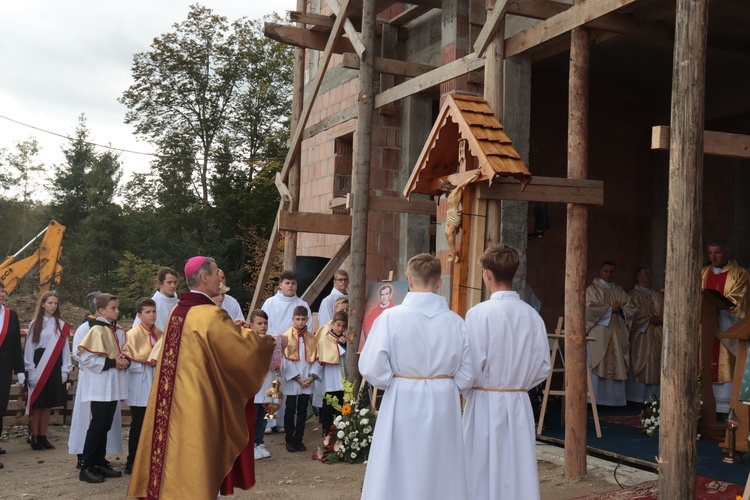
[502, 261]
[424, 269]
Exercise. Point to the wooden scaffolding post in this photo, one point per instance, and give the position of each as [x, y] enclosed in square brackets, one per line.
[679, 394]
[361, 188]
[575, 260]
[298, 96]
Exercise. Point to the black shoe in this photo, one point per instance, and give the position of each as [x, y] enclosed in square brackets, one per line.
[290, 447]
[107, 471]
[79, 463]
[45, 443]
[128, 468]
[2, 451]
[90, 475]
[300, 446]
[35, 444]
[1, 466]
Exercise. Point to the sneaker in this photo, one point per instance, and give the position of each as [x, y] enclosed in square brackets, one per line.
[279, 429]
[268, 430]
[263, 451]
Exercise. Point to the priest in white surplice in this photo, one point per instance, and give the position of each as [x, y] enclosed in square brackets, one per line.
[510, 350]
[609, 313]
[164, 296]
[340, 283]
[419, 352]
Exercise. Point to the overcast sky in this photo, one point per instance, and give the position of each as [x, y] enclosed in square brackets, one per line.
[60, 59]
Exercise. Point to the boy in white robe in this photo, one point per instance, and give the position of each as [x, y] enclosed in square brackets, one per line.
[299, 368]
[419, 352]
[331, 338]
[105, 384]
[164, 296]
[509, 347]
[140, 343]
[79, 421]
[280, 309]
[327, 305]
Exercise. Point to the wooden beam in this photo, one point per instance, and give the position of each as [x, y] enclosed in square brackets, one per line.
[327, 272]
[496, 16]
[559, 24]
[389, 66]
[714, 143]
[305, 38]
[402, 205]
[286, 196]
[294, 144]
[548, 189]
[359, 48]
[409, 15]
[309, 222]
[265, 268]
[536, 9]
[331, 121]
[446, 72]
[313, 20]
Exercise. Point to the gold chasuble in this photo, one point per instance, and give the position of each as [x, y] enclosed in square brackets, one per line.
[735, 289]
[328, 346]
[610, 352]
[645, 345]
[197, 437]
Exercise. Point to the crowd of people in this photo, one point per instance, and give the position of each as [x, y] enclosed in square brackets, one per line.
[195, 376]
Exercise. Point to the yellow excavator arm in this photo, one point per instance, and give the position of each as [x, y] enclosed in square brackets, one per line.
[46, 258]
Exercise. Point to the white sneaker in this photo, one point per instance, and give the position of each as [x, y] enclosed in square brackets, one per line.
[263, 451]
[280, 429]
[257, 453]
[268, 430]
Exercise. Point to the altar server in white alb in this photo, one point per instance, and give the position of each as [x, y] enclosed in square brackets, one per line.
[510, 350]
[164, 296]
[419, 353]
[79, 421]
[280, 310]
[340, 284]
[229, 303]
[143, 349]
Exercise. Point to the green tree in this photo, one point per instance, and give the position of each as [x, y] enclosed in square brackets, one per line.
[22, 167]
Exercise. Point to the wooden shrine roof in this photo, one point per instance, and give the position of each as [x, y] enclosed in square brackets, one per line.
[465, 117]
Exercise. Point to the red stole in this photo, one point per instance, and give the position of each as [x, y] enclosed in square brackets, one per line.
[242, 474]
[46, 365]
[4, 328]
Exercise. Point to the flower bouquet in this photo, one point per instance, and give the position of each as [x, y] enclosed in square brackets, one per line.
[650, 417]
[350, 435]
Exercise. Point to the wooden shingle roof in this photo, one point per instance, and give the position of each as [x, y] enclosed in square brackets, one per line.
[471, 118]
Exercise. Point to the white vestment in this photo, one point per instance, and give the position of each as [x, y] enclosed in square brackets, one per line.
[100, 384]
[325, 313]
[279, 309]
[510, 350]
[417, 448]
[140, 379]
[231, 306]
[79, 421]
[164, 306]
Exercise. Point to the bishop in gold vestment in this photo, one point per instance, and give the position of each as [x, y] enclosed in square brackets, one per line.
[198, 431]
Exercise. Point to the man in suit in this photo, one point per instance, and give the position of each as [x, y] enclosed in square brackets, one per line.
[11, 359]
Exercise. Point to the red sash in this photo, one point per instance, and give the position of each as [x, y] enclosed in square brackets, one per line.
[242, 474]
[4, 329]
[48, 365]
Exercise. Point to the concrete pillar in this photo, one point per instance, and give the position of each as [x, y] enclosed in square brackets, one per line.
[416, 119]
[517, 122]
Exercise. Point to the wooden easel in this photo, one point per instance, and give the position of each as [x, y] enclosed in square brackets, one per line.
[557, 336]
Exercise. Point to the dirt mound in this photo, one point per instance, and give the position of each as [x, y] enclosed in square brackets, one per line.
[25, 305]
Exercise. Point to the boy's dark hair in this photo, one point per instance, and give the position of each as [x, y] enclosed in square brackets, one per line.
[103, 299]
[91, 300]
[288, 275]
[300, 311]
[258, 313]
[608, 263]
[341, 316]
[161, 275]
[144, 302]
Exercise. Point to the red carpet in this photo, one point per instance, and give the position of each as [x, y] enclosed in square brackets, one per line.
[706, 489]
[629, 420]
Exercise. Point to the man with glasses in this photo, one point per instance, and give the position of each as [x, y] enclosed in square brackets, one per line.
[340, 285]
